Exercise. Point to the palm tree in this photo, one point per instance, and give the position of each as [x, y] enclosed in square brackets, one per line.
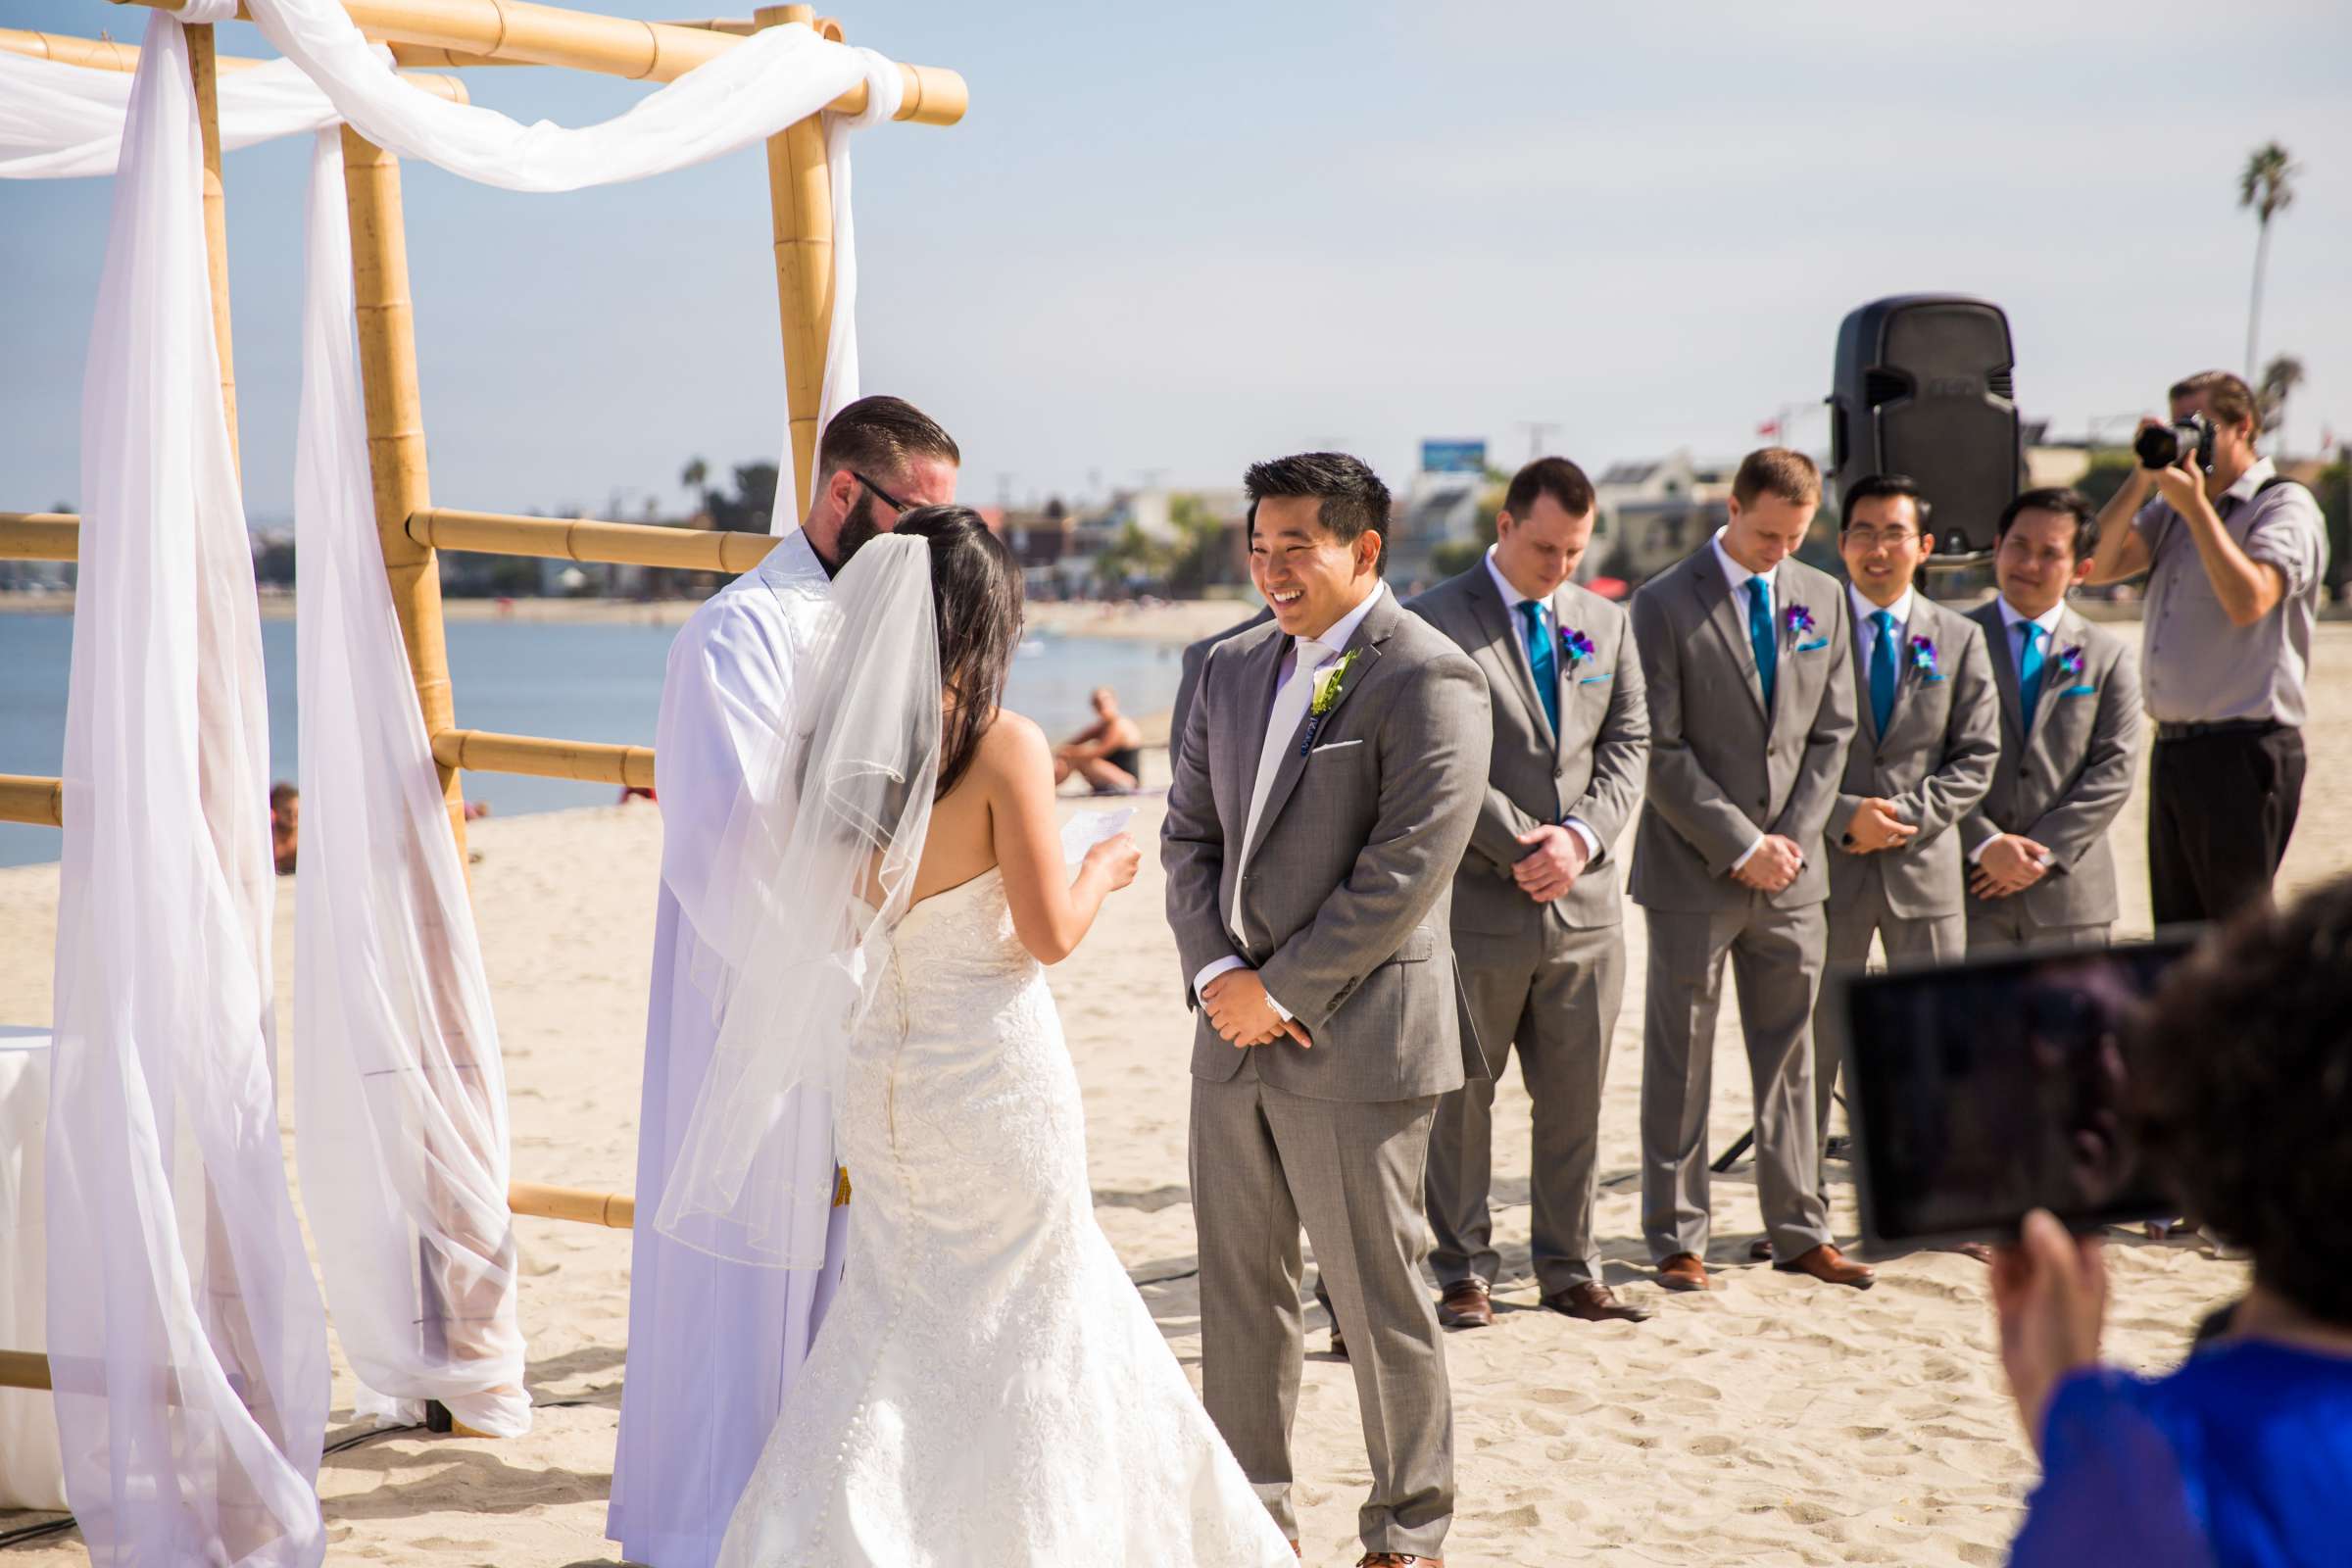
[692, 475]
[2279, 378]
[2264, 187]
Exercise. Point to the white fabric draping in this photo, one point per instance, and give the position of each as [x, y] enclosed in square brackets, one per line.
[186, 1339]
[31, 1474]
[885, 90]
[60, 120]
[401, 1096]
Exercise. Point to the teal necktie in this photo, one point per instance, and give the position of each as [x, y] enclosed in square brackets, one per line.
[1759, 633]
[1542, 660]
[1881, 671]
[2028, 672]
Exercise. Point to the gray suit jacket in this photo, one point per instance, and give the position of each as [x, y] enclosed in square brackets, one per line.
[1722, 770]
[2062, 785]
[1935, 763]
[1591, 770]
[1187, 677]
[1351, 874]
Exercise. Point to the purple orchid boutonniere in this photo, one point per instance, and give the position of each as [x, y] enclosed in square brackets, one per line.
[1923, 656]
[1575, 647]
[1330, 681]
[2069, 662]
[1799, 619]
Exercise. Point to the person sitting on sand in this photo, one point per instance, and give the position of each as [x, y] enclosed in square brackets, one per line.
[2242, 1455]
[285, 823]
[1107, 753]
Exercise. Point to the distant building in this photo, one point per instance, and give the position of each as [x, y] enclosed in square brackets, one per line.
[1657, 511]
[1436, 509]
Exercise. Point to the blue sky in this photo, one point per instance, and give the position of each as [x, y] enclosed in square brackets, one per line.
[1168, 241]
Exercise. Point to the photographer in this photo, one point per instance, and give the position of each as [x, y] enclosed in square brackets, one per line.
[2235, 557]
[2242, 1073]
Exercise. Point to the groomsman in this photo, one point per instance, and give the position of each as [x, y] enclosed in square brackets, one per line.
[1751, 708]
[1920, 759]
[1536, 928]
[2070, 738]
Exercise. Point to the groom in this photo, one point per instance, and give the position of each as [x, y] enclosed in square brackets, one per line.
[1326, 785]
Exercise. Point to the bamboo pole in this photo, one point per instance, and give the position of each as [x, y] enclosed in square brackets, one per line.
[39, 536]
[466, 32]
[38, 801]
[799, 193]
[24, 1369]
[387, 338]
[631, 544]
[206, 77]
[104, 54]
[482, 750]
[613, 1210]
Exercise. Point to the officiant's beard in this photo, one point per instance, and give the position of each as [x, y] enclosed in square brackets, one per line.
[857, 527]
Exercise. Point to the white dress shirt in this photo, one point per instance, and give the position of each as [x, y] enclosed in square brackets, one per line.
[1866, 630]
[1334, 642]
[2011, 619]
[1738, 576]
[1512, 599]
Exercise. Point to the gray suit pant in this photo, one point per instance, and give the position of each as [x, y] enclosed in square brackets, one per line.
[1941, 936]
[1996, 923]
[1553, 994]
[1264, 1162]
[1776, 959]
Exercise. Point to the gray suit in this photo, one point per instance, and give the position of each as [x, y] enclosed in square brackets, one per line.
[1934, 763]
[1547, 977]
[2060, 785]
[1723, 771]
[1346, 913]
[1187, 675]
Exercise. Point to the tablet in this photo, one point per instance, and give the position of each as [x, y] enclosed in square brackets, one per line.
[1985, 1089]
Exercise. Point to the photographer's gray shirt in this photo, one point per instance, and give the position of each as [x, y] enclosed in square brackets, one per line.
[2198, 667]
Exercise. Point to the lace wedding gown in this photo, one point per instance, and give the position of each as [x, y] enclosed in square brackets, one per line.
[988, 1390]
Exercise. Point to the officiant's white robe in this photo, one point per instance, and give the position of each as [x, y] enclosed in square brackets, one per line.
[713, 1344]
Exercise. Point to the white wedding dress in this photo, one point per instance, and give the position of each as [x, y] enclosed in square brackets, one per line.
[987, 1390]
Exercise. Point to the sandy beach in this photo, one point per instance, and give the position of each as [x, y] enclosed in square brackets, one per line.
[1774, 1421]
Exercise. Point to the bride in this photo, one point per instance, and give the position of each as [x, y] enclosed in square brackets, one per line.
[988, 1389]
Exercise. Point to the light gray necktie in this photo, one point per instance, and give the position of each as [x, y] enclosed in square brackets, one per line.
[1291, 704]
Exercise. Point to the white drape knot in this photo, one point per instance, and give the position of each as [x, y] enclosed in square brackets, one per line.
[195, 11]
[885, 90]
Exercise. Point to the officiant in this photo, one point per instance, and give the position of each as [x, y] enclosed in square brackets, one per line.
[713, 1345]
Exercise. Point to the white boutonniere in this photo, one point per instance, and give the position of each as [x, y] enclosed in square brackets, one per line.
[1330, 682]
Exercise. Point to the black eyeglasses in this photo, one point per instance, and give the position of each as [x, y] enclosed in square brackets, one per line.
[894, 501]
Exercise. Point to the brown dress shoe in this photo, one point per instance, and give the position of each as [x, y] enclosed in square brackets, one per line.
[1466, 1304]
[1683, 1272]
[1830, 1266]
[1594, 1302]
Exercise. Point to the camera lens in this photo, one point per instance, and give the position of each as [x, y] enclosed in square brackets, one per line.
[2158, 446]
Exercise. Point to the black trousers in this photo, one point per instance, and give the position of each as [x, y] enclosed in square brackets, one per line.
[2221, 809]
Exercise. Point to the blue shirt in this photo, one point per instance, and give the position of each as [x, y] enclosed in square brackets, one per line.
[2241, 1458]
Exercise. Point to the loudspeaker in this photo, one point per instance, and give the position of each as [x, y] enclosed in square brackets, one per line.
[1923, 387]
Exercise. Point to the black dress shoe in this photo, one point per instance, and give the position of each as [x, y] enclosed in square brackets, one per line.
[1760, 1248]
[1594, 1302]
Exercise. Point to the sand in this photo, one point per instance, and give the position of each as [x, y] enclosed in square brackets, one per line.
[1774, 1421]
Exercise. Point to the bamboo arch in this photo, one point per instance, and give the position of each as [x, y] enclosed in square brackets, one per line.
[446, 34]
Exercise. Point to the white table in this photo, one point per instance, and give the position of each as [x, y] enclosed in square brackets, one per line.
[31, 1475]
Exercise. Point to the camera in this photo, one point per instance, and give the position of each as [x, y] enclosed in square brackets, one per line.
[2161, 446]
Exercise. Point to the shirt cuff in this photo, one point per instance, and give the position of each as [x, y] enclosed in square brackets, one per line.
[1751, 852]
[1576, 825]
[1977, 855]
[1215, 968]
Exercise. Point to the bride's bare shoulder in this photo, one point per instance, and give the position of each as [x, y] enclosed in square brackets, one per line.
[1014, 745]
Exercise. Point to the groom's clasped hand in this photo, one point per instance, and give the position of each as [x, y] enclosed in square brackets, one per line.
[1237, 1009]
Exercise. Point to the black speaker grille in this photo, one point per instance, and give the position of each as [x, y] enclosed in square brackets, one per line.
[2002, 383]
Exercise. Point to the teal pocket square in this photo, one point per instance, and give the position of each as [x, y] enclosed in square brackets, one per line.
[2079, 691]
[1818, 642]
[1591, 679]
[1931, 680]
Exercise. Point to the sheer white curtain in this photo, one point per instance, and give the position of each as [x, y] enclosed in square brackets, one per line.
[401, 1096]
[186, 1339]
[60, 120]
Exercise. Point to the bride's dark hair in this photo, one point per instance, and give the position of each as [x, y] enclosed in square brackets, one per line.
[976, 598]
